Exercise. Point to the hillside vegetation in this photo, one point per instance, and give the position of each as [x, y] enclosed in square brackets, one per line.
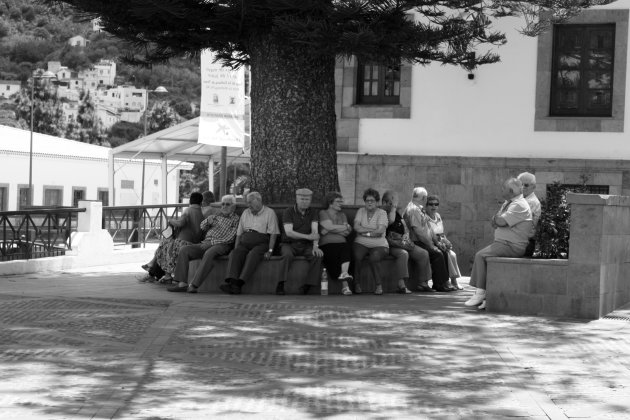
[32, 34]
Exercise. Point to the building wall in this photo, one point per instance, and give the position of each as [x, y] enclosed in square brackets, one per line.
[495, 113]
[460, 138]
[469, 187]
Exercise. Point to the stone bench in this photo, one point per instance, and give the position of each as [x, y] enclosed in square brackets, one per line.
[269, 273]
[534, 287]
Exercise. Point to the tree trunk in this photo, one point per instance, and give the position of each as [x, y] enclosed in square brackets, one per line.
[294, 142]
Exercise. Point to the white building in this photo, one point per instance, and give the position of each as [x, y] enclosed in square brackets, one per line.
[65, 171]
[102, 73]
[78, 41]
[123, 98]
[540, 109]
[9, 88]
[108, 115]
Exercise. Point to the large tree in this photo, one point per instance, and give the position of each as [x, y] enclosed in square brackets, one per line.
[291, 46]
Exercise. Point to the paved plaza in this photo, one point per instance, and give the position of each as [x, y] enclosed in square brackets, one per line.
[95, 343]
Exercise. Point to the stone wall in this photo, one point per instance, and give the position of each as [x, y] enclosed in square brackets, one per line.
[469, 188]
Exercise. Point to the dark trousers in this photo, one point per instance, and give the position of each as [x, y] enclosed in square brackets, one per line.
[335, 254]
[247, 255]
[199, 251]
[375, 255]
[439, 265]
[531, 246]
[295, 249]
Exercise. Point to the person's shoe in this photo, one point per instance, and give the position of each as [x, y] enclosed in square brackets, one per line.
[304, 289]
[233, 287]
[145, 279]
[442, 289]
[178, 288]
[346, 277]
[477, 299]
[425, 288]
[379, 290]
[280, 288]
[346, 291]
[357, 288]
[456, 285]
[192, 289]
[403, 290]
[226, 288]
[482, 307]
[166, 279]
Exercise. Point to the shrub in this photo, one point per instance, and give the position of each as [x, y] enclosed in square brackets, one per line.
[552, 232]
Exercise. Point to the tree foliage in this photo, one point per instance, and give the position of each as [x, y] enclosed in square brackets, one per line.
[48, 116]
[291, 47]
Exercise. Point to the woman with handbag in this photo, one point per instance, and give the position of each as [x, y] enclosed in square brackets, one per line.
[397, 236]
[439, 239]
[188, 229]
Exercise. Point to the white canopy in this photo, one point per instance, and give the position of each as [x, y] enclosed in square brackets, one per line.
[177, 143]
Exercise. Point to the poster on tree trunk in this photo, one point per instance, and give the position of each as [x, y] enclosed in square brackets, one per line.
[222, 113]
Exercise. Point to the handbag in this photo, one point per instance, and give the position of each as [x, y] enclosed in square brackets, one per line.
[396, 240]
[168, 232]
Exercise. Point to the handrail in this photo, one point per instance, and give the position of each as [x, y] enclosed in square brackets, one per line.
[139, 225]
[36, 232]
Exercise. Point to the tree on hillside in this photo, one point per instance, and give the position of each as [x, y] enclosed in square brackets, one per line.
[88, 127]
[291, 47]
[48, 116]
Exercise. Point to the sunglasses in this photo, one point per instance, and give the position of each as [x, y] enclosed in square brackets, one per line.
[226, 204]
[433, 204]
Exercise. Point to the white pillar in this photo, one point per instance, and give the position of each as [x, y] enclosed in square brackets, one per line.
[211, 176]
[164, 180]
[110, 178]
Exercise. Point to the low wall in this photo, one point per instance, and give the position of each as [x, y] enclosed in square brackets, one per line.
[593, 282]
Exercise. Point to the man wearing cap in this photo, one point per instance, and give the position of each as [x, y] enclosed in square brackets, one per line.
[255, 238]
[300, 238]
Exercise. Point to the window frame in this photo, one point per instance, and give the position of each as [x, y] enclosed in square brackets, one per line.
[585, 30]
[380, 80]
[52, 188]
[543, 121]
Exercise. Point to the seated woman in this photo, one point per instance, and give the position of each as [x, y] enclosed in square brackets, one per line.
[397, 236]
[370, 224]
[439, 238]
[189, 232]
[334, 229]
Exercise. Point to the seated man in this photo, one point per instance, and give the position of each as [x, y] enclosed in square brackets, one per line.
[255, 238]
[300, 238]
[529, 185]
[512, 229]
[220, 232]
[421, 235]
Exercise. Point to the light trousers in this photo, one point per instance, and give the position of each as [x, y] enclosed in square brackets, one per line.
[495, 249]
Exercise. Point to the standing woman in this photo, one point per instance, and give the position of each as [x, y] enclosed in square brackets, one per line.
[334, 230]
[439, 238]
[370, 224]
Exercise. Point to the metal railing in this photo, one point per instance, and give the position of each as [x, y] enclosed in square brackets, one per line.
[37, 232]
[139, 225]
